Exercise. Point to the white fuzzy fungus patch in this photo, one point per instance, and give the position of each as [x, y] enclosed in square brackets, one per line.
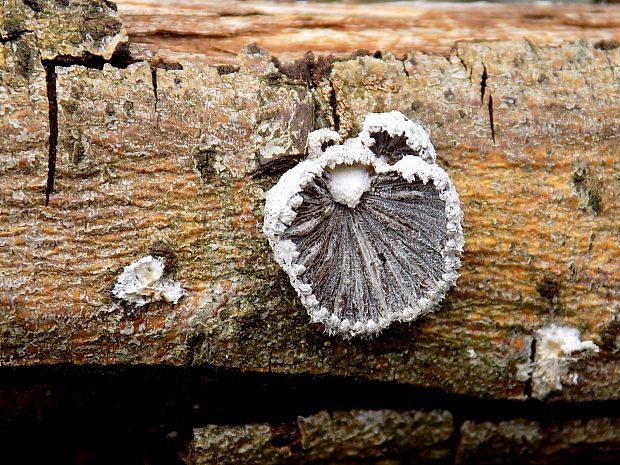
[144, 281]
[554, 341]
[347, 183]
[366, 261]
[555, 346]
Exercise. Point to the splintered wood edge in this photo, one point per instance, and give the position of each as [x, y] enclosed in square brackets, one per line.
[213, 32]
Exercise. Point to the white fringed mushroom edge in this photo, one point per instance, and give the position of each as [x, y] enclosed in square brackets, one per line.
[285, 197]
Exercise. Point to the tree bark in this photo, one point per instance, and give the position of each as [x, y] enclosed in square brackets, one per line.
[111, 157]
[151, 155]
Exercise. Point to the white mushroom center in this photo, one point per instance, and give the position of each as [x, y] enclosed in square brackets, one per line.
[347, 183]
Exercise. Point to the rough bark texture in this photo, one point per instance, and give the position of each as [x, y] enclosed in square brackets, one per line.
[172, 159]
[24, 128]
[63, 28]
[186, 164]
[530, 442]
[331, 437]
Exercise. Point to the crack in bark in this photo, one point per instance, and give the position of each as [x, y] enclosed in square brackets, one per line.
[154, 68]
[201, 384]
[154, 82]
[491, 118]
[50, 75]
[464, 65]
[89, 61]
[483, 93]
[333, 103]
[483, 83]
[119, 60]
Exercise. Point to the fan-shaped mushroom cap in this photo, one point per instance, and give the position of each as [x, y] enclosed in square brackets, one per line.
[392, 135]
[319, 140]
[369, 233]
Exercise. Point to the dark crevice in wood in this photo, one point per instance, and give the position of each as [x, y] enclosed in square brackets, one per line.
[491, 118]
[154, 83]
[483, 83]
[404, 62]
[203, 163]
[164, 32]
[152, 410]
[187, 393]
[333, 102]
[167, 67]
[50, 74]
[120, 59]
[483, 92]
[548, 288]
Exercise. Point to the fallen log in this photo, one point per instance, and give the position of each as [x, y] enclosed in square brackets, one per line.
[164, 145]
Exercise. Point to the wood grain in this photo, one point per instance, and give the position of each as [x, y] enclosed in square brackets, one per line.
[214, 31]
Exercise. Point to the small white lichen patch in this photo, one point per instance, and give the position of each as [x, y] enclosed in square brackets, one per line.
[555, 346]
[144, 281]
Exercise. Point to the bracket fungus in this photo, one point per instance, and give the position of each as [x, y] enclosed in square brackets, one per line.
[369, 232]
